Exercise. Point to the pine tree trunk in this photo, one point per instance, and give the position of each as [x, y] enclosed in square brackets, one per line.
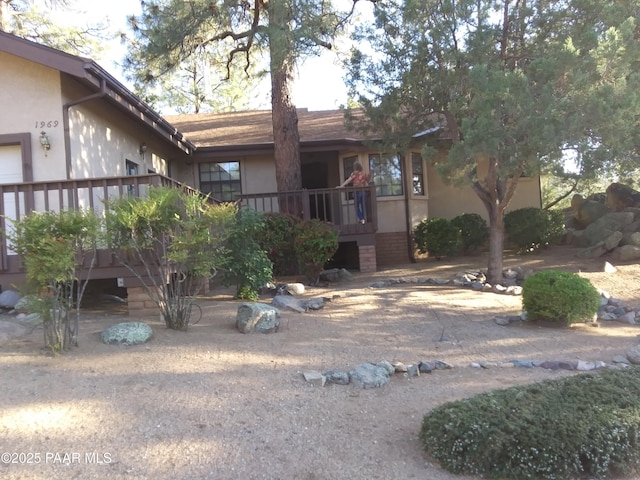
[286, 137]
[496, 243]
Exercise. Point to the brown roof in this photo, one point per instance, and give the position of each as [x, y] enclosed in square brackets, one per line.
[254, 128]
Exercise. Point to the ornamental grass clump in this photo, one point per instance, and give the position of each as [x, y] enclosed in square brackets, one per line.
[583, 426]
[558, 296]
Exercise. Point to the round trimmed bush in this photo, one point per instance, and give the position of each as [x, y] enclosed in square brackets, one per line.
[559, 296]
[531, 228]
[436, 236]
[582, 426]
[473, 230]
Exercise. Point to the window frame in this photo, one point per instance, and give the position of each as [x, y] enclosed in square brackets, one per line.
[229, 189]
[398, 184]
[416, 156]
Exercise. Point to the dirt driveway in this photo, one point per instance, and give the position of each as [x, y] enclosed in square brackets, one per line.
[213, 403]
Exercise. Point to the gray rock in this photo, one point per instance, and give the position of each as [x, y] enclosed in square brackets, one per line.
[257, 317]
[337, 377]
[440, 365]
[314, 304]
[11, 330]
[613, 240]
[509, 273]
[288, 302]
[487, 287]
[502, 321]
[477, 286]
[413, 371]
[315, 378]
[335, 275]
[585, 366]
[425, 367]
[629, 317]
[633, 355]
[621, 359]
[627, 253]
[631, 238]
[604, 226]
[369, 375]
[127, 333]
[9, 299]
[523, 363]
[387, 366]
[606, 316]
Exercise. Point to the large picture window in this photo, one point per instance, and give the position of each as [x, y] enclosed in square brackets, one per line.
[221, 180]
[387, 174]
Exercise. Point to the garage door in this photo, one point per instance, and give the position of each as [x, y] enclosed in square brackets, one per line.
[10, 172]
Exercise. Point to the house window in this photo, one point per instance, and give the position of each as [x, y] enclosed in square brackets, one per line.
[387, 174]
[221, 180]
[417, 170]
[132, 168]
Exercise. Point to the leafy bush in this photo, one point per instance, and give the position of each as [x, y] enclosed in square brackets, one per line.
[531, 228]
[277, 240]
[436, 236]
[473, 230]
[175, 235]
[247, 266]
[559, 296]
[582, 426]
[315, 243]
[54, 247]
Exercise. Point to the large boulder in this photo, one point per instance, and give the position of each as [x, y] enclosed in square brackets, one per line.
[621, 196]
[627, 253]
[257, 317]
[604, 227]
[127, 333]
[587, 211]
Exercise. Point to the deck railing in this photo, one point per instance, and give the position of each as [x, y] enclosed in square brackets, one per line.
[18, 200]
[333, 205]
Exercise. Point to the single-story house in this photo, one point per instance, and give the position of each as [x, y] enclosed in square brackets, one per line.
[71, 135]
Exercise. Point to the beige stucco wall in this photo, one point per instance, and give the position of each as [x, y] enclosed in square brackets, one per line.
[447, 201]
[258, 174]
[31, 102]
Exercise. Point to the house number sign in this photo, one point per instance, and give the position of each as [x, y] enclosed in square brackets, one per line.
[47, 124]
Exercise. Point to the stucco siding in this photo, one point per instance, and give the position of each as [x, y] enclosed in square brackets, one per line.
[31, 102]
[447, 201]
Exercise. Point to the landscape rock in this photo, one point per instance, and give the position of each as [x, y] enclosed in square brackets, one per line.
[335, 275]
[633, 355]
[627, 253]
[337, 377]
[257, 317]
[387, 366]
[313, 304]
[621, 196]
[294, 288]
[425, 367]
[603, 227]
[127, 333]
[289, 303]
[315, 378]
[631, 238]
[11, 330]
[413, 371]
[369, 375]
[9, 299]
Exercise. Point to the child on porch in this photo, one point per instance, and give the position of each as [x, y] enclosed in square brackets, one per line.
[359, 179]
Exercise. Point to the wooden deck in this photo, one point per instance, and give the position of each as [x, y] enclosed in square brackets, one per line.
[17, 200]
[333, 205]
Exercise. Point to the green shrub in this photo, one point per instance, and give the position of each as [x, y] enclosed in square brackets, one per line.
[315, 243]
[247, 267]
[436, 236]
[559, 296]
[531, 228]
[473, 230]
[583, 426]
[277, 240]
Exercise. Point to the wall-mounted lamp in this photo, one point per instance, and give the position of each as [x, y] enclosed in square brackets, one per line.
[44, 142]
[142, 148]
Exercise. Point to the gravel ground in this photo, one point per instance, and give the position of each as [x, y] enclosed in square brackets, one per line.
[213, 403]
